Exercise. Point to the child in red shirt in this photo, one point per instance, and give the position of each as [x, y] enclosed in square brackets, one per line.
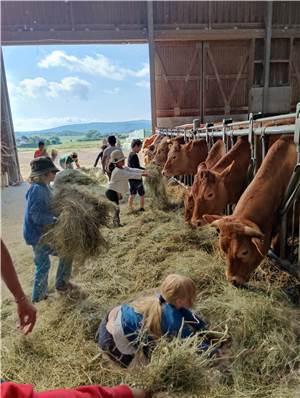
[13, 390]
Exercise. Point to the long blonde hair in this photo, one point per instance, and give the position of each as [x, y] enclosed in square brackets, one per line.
[174, 287]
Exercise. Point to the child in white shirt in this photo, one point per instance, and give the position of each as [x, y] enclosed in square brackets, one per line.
[118, 184]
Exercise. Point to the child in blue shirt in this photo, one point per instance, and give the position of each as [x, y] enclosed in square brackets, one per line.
[168, 314]
[37, 215]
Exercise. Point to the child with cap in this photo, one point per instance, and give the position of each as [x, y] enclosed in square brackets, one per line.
[136, 186]
[146, 319]
[118, 184]
[37, 215]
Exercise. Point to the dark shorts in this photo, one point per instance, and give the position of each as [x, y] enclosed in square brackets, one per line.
[136, 186]
[107, 344]
[112, 196]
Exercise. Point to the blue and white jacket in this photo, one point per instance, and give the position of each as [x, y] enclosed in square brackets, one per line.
[174, 323]
[37, 213]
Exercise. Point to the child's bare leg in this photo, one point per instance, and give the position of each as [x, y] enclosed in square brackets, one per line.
[130, 201]
[142, 202]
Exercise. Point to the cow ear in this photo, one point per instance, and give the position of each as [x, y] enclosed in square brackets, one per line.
[189, 146]
[259, 244]
[202, 166]
[212, 219]
[226, 171]
[255, 232]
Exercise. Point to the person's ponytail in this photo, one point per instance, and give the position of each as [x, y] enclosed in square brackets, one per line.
[150, 307]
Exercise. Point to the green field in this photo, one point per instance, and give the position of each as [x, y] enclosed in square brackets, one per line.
[69, 143]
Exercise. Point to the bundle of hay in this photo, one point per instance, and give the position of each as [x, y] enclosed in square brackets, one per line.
[81, 209]
[157, 186]
[95, 173]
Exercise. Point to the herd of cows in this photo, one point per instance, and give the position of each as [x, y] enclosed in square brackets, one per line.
[221, 179]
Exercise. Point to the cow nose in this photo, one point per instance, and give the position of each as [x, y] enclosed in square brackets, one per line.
[197, 223]
[235, 282]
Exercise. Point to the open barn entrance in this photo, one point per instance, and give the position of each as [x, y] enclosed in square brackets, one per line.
[77, 94]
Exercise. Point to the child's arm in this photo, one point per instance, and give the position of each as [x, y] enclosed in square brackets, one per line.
[131, 173]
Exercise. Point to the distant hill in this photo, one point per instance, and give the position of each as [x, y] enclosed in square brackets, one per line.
[78, 129]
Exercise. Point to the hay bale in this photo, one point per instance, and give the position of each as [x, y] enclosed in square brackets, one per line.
[157, 186]
[82, 211]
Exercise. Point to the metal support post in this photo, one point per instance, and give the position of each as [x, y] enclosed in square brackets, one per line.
[152, 63]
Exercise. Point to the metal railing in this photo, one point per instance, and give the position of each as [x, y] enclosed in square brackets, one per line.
[258, 137]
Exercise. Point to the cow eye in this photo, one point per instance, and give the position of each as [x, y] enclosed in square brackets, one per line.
[244, 253]
[218, 230]
[210, 195]
[174, 157]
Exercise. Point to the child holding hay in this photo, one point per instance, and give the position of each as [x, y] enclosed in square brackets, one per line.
[167, 314]
[136, 186]
[66, 161]
[37, 216]
[118, 184]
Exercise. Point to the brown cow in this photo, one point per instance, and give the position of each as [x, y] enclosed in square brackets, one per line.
[215, 154]
[184, 159]
[162, 150]
[150, 151]
[245, 237]
[148, 141]
[223, 184]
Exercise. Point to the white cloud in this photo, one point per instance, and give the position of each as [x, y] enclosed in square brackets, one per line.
[142, 72]
[113, 91]
[97, 66]
[143, 83]
[32, 87]
[31, 124]
[71, 86]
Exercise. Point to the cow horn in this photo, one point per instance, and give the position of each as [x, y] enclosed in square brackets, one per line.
[254, 232]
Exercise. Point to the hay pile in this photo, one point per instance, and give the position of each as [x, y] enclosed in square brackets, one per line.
[95, 173]
[262, 360]
[82, 211]
[157, 186]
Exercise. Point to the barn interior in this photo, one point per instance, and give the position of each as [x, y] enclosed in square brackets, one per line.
[221, 62]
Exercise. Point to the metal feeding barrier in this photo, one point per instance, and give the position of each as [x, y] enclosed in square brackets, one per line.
[259, 134]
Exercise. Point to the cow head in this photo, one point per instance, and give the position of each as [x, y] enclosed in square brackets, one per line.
[188, 206]
[210, 192]
[179, 159]
[161, 154]
[243, 243]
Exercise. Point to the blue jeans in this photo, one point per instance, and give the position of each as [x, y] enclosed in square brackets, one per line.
[42, 266]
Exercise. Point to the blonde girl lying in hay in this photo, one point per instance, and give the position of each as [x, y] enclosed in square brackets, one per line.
[147, 319]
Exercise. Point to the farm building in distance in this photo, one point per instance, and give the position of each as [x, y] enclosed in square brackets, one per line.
[207, 59]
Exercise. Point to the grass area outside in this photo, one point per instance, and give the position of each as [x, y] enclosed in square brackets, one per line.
[67, 144]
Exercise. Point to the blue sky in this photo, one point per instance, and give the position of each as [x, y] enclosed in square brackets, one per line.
[54, 85]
